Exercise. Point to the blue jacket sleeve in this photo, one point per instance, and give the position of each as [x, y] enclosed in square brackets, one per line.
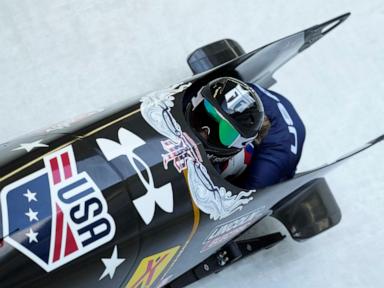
[262, 173]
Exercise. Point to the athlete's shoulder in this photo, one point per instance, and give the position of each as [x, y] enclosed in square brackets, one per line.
[266, 94]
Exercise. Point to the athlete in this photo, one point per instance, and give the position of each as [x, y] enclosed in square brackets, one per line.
[254, 137]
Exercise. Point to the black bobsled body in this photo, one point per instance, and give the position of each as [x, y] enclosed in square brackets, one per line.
[127, 197]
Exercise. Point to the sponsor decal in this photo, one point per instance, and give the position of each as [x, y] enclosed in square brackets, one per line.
[56, 214]
[222, 233]
[146, 204]
[150, 269]
[216, 201]
[180, 152]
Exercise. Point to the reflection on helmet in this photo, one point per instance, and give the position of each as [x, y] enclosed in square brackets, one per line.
[231, 110]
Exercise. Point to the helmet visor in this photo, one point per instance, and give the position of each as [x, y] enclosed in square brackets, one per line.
[227, 133]
[239, 104]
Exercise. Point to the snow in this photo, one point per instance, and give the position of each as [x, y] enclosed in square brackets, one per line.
[61, 58]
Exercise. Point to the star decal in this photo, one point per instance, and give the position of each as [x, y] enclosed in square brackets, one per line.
[32, 215]
[32, 236]
[111, 264]
[30, 146]
[58, 126]
[30, 195]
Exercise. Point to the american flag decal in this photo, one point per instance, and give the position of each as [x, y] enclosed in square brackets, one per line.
[46, 215]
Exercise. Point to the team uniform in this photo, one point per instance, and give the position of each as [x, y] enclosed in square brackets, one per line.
[277, 156]
[228, 115]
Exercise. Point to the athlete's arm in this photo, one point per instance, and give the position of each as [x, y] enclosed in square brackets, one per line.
[261, 173]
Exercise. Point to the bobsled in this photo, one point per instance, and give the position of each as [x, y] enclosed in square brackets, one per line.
[126, 196]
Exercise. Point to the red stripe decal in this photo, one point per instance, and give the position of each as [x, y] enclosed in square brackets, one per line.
[71, 245]
[58, 234]
[247, 158]
[66, 165]
[55, 170]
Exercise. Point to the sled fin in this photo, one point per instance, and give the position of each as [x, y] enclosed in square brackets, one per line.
[259, 65]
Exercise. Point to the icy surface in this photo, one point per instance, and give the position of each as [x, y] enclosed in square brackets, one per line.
[62, 58]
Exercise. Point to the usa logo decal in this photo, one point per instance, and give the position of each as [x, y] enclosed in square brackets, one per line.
[56, 214]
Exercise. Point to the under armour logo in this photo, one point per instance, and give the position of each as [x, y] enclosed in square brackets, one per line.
[146, 204]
